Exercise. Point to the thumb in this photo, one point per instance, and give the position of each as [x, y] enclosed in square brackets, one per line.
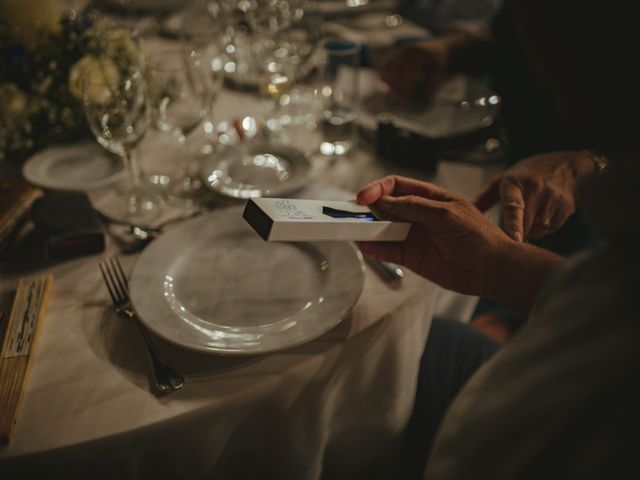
[489, 196]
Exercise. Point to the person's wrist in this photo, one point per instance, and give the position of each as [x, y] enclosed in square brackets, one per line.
[497, 259]
[518, 272]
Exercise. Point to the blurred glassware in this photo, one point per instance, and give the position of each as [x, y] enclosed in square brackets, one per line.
[177, 106]
[185, 83]
[274, 15]
[117, 108]
[251, 162]
[339, 93]
[296, 107]
[252, 40]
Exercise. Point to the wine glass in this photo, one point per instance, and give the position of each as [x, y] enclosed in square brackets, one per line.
[184, 84]
[176, 106]
[296, 54]
[272, 16]
[117, 109]
[280, 47]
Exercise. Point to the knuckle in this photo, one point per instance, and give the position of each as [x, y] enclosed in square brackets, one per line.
[387, 178]
[508, 178]
[447, 214]
[567, 201]
[513, 213]
[388, 181]
[514, 227]
[414, 201]
[534, 183]
[513, 205]
[461, 205]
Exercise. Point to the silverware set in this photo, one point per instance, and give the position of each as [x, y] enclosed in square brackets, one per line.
[166, 378]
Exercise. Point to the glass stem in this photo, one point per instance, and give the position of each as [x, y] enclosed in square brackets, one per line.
[133, 168]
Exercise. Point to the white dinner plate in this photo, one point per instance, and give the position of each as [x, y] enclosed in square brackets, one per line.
[212, 285]
[250, 165]
[82, 166]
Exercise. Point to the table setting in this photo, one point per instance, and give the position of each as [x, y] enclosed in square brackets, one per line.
[175, 342]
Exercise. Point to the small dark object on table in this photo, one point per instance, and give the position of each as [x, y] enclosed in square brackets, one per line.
[70, 225]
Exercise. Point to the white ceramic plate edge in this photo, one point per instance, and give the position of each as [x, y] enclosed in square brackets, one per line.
[29, 169]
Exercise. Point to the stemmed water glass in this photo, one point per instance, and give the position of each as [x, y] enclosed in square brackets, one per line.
[296, 55]
[117, 109]
[282, 47]
[184, 84]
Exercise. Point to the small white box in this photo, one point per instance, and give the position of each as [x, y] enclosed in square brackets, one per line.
[293, 220]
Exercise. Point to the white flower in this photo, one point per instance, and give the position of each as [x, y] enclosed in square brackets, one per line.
[98, 74]
[120, 45]
[14, 102]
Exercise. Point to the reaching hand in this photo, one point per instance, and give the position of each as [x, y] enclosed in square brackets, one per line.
[451, 242]
[537, 194]
[416, 70]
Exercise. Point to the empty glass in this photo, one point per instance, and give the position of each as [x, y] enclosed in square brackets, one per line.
[176, 105]
[296, 107]
[117, 109]
[339, 93]
[272, 15]
[184, 83]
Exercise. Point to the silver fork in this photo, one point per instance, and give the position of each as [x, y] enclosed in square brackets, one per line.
[166, 378]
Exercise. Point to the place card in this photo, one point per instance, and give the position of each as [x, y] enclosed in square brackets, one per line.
[293, 220]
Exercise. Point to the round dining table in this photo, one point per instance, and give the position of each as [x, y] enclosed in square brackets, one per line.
[335, 407]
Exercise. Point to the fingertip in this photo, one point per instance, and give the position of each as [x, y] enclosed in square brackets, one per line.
[369, 193]
[517, 236]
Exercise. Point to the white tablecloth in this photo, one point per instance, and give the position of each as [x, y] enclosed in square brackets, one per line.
[337, 404]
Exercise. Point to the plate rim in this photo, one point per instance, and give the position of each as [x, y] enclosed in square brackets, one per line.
[301, 181]
[56, 150]
[366, 117]
[239, 353]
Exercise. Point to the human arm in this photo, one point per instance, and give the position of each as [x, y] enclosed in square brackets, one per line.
[453, 244]
[418, 69]
[537, 193]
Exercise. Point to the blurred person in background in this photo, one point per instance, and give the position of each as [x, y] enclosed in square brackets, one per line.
[560, 400]
[536, 194]
[442, 15]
